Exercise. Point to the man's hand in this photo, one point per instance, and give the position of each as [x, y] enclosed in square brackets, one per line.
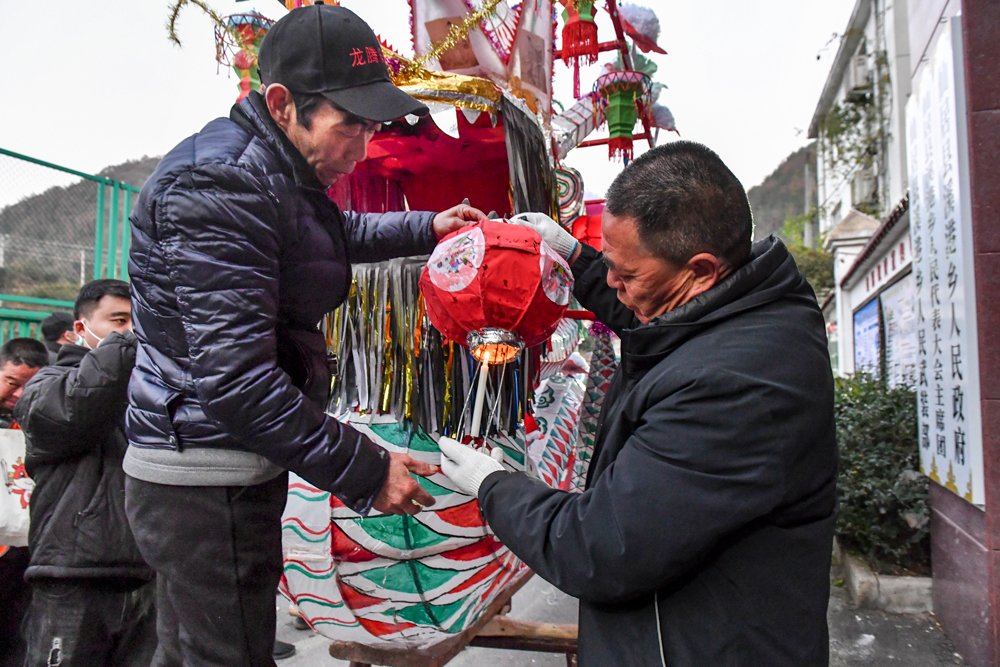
[555, 236]
[466, 467]
[455, 218]
[401, 494]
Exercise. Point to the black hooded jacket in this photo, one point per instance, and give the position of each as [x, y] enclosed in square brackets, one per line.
[712, 489]
[73, 415]
[237, 254]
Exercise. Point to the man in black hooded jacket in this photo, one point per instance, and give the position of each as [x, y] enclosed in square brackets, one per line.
[92, 600]
[705, 531]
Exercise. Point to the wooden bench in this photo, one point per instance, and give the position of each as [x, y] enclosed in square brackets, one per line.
[493, 630]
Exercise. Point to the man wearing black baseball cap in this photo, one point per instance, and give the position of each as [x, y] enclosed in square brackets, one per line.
[348, 68]
[237, 254]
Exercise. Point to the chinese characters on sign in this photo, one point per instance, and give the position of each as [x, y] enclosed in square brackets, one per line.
[946, 372]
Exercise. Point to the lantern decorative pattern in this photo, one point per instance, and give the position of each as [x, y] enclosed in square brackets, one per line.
[603, 364]
[622, 95]
[241, 53]
[579, 35]
[496, 275]
[395, 581]
[495, 288]
[569, 189]
[551, 444]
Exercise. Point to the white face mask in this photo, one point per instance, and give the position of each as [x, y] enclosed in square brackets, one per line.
[83, 341]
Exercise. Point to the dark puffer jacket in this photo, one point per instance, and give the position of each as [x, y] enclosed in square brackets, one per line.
[73, 415]
[704, 535]
[237, 254]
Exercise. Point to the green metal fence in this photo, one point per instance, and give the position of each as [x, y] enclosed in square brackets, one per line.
[19, 322]
[59, 228]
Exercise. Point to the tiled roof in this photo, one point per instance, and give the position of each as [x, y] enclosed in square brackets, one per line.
[890, 223]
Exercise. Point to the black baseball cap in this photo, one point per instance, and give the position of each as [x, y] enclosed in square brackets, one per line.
[329, 50]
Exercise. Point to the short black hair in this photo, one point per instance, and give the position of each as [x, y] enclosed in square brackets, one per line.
[55, 325]
[306, 106]
[24, 351]
[684, 201]
[92, 293]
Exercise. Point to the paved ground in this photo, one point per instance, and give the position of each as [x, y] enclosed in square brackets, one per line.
[858, 638]
[864, 638]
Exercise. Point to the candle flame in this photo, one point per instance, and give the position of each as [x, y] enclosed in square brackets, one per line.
[495, 353]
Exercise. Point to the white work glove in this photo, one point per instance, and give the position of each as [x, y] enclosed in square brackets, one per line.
[466, 467]
[558, 238]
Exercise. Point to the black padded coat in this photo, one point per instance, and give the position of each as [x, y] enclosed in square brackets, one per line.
[705, 532]
[73, 417]
[237, 254]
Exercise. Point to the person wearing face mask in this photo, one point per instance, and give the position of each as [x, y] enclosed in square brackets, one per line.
[705, 531]
[93, 600]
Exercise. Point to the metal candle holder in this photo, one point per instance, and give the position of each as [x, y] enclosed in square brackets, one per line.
[490, 345]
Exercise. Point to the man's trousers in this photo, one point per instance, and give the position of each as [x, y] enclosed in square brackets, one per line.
[15, 596]
[217, 556]
[87, 622]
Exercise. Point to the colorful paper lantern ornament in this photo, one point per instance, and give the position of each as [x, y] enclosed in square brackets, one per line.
[579, 38]
[622, 94]
[495, 288]
[237, 44]
[579, 35]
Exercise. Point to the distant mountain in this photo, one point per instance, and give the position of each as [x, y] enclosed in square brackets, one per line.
[133, 172]
[782, 193]
[66, 213]
[47, 239]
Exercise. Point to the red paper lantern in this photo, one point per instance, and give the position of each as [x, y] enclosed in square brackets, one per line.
[493, 275]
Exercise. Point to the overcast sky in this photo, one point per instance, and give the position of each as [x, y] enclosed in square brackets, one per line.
[89, 84]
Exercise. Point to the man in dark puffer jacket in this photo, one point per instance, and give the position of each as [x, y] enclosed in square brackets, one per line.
[92, 603]
[237, 254]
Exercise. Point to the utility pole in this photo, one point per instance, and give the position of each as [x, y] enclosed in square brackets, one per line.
[808, 232]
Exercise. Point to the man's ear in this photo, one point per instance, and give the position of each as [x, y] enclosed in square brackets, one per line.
[281, 105]
[705, 271]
